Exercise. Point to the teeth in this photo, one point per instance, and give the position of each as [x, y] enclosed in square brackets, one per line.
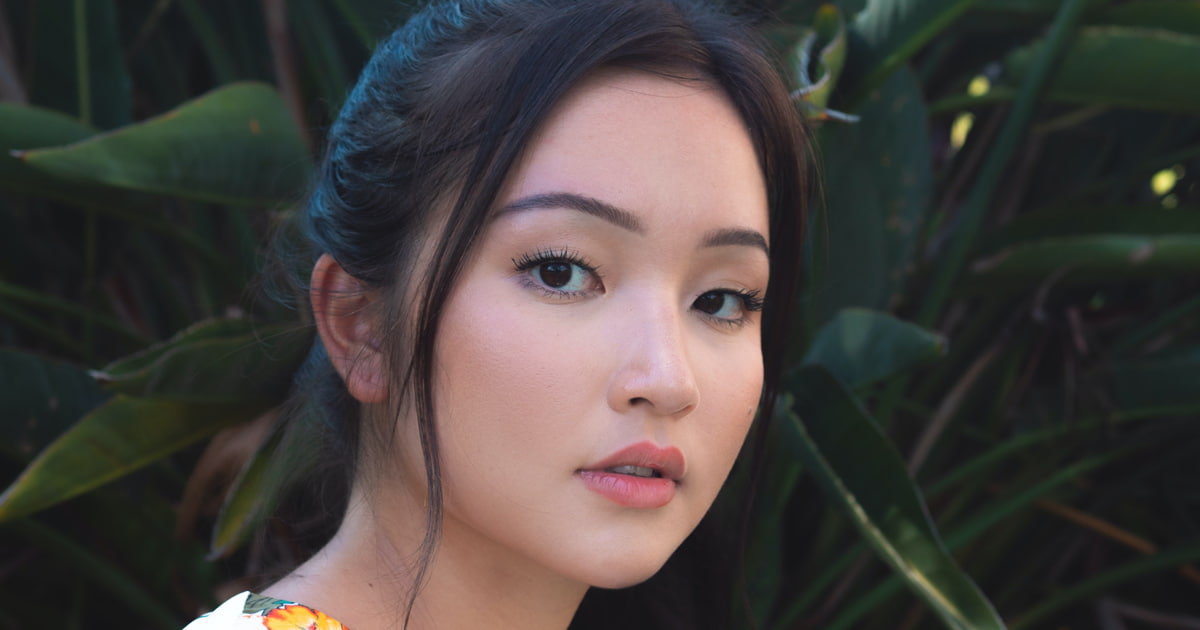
[636, 471]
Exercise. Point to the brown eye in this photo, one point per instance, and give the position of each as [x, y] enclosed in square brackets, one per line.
[555, 274]
[564, 276]
[716, 302]
[559, 273]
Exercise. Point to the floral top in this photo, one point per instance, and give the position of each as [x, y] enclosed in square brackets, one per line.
[247, 611]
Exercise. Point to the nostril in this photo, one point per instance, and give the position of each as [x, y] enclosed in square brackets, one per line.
[638, 400]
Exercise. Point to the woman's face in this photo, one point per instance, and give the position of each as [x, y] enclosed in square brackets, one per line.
[606, 328]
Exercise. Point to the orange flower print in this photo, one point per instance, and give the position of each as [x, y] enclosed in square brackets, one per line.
[297, 617]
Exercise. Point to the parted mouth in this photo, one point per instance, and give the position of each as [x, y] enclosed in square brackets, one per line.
[636, 471]
[644, 460]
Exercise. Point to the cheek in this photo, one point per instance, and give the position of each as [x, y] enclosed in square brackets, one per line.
[730, 390]
[505, 378]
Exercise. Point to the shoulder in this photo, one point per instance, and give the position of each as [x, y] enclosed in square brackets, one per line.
[246, 611]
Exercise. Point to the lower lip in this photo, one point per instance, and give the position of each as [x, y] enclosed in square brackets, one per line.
[629, 491]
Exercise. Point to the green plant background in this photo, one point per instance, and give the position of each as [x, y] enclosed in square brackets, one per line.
[991, 418]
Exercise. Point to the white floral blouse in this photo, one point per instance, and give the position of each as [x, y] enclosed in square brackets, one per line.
[247, 611]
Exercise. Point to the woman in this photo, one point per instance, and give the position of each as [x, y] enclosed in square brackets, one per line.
[551, 238]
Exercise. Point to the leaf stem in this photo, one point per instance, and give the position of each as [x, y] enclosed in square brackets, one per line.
[90, 248]
[82, 69]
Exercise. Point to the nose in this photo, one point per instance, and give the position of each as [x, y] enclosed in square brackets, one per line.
[655, 372]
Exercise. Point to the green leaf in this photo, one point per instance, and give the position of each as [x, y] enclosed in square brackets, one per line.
[234, 145]
[892, 31]
[122, 435]
[862, 247]
[214, 361]
[764, 547]
[1167, 378]
[1095, 220]
[1182, 16]
[861, 346]
[1084, 259]
[992, 513]
[1140, 68]
[861, 471]
[248, 501]
[32, 128]
[1040, 8]
[27, 127]
[41, 398]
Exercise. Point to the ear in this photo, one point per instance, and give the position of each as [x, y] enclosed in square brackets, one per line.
[339, 304]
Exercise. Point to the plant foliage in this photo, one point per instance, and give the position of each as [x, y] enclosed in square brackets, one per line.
[990, 419]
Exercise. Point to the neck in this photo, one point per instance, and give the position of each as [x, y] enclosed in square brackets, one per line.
[364, 576]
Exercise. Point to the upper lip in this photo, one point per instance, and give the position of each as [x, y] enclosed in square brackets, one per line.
[668, 461]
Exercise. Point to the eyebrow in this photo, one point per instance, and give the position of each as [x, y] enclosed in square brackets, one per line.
[627, 220]
[595, 207]
[736, 236]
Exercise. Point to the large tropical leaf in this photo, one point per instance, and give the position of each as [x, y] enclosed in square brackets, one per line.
[1142, 68]
[234, 145]
[122, 435]
[1078, 220]
[214, 361]
[1174, 15]
[862, 473]
[877, 192]
[1091, 258]
[40, 398]
[30, 127]
[861, 346]
[766, 585]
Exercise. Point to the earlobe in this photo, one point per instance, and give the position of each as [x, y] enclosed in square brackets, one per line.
[340, 308]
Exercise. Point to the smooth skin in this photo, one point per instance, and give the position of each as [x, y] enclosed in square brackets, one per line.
[610, 301]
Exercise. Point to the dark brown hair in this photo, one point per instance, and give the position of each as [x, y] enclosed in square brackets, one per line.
[426, 140]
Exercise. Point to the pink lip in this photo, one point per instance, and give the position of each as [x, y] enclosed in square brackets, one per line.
[637, 492]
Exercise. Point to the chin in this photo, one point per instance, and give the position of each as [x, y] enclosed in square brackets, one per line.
[623, 572]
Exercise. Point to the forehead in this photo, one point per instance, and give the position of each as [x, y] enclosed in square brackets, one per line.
[674, 148]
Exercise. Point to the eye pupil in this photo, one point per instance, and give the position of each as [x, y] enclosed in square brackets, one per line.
[710, 303]
[555, 274]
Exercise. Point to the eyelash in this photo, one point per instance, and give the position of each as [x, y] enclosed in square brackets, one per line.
[751, 299]
[530, 261]
[751, 303]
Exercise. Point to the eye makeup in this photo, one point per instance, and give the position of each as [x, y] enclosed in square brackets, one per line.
[559, 273]
[564, 273]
